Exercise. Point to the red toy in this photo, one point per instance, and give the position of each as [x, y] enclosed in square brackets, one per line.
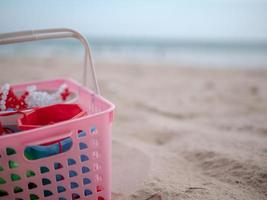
[30, 98]
[50, 115]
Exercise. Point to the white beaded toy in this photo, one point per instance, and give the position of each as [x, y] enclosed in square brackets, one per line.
[31, 98]
[40, 98]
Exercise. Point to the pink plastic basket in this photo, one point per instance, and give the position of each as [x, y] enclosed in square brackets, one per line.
[82, 172]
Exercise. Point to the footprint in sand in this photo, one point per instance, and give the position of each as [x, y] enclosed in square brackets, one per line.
[231, 171]
[130, 168]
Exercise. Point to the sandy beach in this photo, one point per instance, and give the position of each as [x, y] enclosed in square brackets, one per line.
[180, 132]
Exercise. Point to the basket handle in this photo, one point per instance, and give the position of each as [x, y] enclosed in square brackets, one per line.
[55, 33]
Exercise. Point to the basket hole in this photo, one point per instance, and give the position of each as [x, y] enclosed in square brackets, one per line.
[10, 151]
[30, 173]
[1, 169]
[95, 154]
[86, 181]
[47, 193]
[100, 198]
[44, 169]
[18, 199]
[59, 177]
[62, 198]
[71, 162]
[12, 164]
[87, 192]
[85, 170]
[83, 146]
[95, 142]
[17, 189]
[46, 181]
[74, 185]
[58, 165]
[3, 193]
[34, 197]
[15, 177]
[99, 188]
[75, 196]
[84, 158]
[61, 189]
[46, 150]
[93, 130]
[32, 185]
[99, 178]
[2, 181]
[81, 133]
[97, 166]
[72, 173]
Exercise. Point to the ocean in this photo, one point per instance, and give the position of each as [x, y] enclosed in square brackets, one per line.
[200, 53]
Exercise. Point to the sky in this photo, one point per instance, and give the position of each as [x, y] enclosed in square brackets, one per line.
[157, 19]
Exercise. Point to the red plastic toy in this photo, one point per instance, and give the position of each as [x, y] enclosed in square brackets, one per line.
[50, 115]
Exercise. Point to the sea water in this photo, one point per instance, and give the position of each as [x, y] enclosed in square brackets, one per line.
[199, 53]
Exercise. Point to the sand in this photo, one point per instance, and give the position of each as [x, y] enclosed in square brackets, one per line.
[180, 132]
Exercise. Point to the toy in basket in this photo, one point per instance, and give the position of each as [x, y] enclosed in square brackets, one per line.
[69, 158]
[12, 103]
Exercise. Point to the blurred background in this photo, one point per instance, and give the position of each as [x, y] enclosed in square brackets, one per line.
[197, 33]
[188, 78]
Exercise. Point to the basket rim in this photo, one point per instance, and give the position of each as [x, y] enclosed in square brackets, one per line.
[110, 108]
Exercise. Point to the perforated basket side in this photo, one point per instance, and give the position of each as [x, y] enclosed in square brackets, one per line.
[85, 168]
[83, 172]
